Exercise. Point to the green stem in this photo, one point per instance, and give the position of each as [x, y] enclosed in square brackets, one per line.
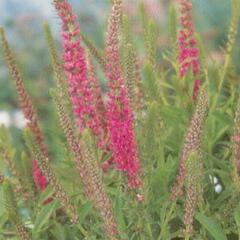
[146, 220]
[167, 219]
[83, 231]
[187, 238]
[149, 230]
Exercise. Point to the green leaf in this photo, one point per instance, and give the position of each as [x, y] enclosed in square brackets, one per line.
[119, 205]
[172, 22]
[47, 193]
[160, 178]
[211, 226]
[84, 210]
[150, 83]
[59, 232]
[44, 215]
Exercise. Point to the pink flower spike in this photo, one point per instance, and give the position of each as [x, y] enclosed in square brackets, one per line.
[118, 112]
[75, 65]
[39, 179]
[196, 89]
[188, 52]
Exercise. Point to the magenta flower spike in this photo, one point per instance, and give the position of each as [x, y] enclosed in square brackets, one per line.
[39, 179]
[119, 114]
[188, 52]
[75, 66]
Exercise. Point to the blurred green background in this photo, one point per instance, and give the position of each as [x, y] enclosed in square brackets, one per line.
[23, 21]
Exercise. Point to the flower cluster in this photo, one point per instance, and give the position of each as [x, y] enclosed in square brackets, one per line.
[79, 86]
[192, 142]
[46, 169]
[119, 113]
[89, 171]
[123, 143]
[188, 52]
[39, 178]
[193, 192]
[235, 139]
[26, 106]
[98, 193]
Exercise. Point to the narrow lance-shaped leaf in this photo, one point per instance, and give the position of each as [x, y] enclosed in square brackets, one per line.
[213, 227]
[44, 216]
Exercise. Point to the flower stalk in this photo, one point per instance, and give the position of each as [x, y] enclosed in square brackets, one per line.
[24, 99]
[47, 171]
[119, 113]
[88, 169]
[75, 66]
[12, 209]
[235, 139]
[193, 192]
[188, 51]
[192, 142]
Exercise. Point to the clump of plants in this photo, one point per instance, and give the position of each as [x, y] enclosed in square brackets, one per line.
[156, 156]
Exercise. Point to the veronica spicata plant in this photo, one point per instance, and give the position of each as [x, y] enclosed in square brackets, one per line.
[155, 156]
